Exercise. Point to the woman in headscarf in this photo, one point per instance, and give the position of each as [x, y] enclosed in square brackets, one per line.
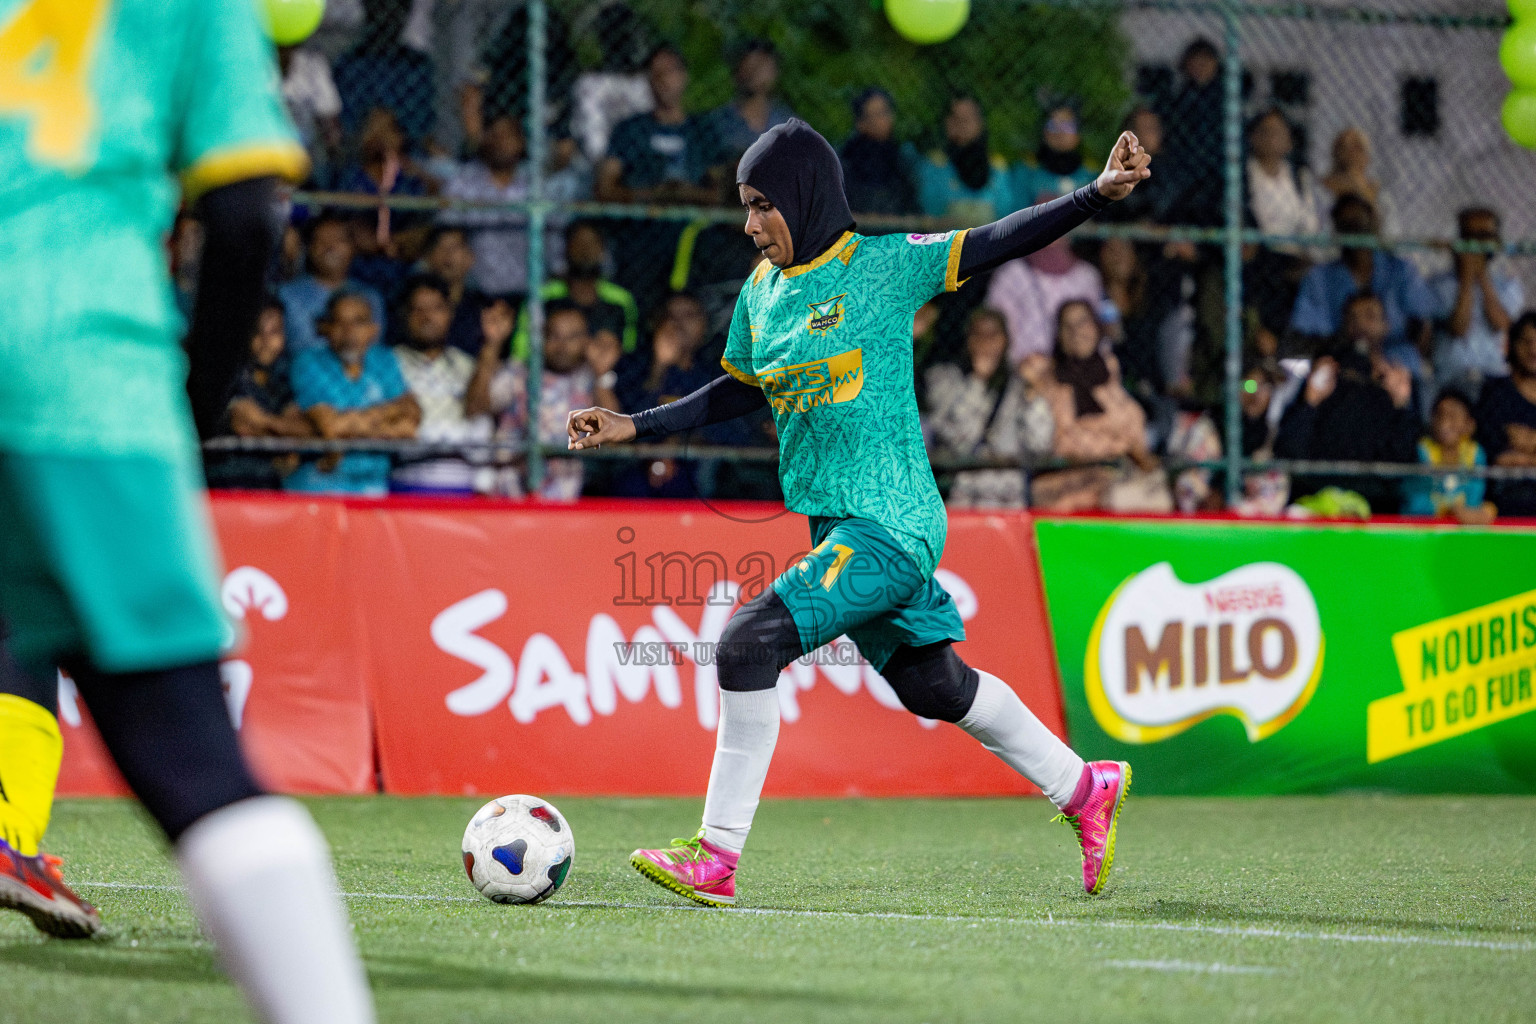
[1097, 420]
[964, 181]
[822, 333]
[1351, 175]
[879, 173]
[1058, 166]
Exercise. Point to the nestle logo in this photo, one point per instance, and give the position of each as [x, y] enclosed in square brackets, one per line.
[1226, 600]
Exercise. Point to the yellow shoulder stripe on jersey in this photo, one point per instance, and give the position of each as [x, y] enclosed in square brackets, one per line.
[279, 159]
[952, 271]
[762, 271]
[745, 378]
[832, 253]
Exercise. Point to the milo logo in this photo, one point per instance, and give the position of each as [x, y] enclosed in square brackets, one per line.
[1165, 654]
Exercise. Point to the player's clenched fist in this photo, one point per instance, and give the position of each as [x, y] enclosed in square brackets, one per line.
[589, 428]
[1128, 163]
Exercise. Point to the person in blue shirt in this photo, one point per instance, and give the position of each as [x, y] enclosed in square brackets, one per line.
[1450, 444]
[964, 181]
[1409, 304]
[381, 71]
[755, 109]
[351, 389]
[1057, 168]
[329, 256]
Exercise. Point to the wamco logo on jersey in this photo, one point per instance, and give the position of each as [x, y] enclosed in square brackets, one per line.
[1165, 654]
[825, 315]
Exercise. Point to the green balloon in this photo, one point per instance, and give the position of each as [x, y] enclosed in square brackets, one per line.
[1519, 116]
[927, 21]
[290, 22]
[1517, 53]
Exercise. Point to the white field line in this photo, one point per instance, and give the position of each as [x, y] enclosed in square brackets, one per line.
[1187, 967]
[1236, 931]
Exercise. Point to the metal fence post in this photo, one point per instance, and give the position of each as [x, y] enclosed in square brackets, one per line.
[1232, 166]
[538, 151]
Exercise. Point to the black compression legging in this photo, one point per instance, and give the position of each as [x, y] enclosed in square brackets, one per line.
[168, 731]
[761, 639]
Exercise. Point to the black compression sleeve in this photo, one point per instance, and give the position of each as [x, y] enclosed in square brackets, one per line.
[241, 228]
[1028, 230]
[723, 398]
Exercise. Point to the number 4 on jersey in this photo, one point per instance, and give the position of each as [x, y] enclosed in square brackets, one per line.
[47, 49]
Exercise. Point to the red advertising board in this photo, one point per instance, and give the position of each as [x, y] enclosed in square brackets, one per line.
[497, 670]
[296, 675]
[498, 647]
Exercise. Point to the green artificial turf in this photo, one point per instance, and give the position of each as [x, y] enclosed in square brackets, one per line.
[1350, 908]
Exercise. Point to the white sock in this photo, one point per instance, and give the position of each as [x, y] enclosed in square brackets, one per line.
[749, 729]
[1010, 730]
[259, 874]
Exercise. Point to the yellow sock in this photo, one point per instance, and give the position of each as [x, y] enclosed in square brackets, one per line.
[30, 752]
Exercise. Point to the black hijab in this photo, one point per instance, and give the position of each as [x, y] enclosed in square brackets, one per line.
[800, 173]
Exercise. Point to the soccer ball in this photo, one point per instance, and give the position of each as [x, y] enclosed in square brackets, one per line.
[518, 849]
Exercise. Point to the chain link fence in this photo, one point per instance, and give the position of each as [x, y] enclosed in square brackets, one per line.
[584, 154]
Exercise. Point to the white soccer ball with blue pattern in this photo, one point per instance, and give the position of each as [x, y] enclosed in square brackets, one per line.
[518, 849]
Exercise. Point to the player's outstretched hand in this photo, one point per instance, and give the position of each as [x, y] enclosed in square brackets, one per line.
[589, 428]
[1128, 163]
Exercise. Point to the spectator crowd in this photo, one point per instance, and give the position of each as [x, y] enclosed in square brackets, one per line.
[1084, 376]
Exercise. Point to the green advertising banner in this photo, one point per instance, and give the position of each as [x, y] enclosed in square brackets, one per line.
[1231, 657]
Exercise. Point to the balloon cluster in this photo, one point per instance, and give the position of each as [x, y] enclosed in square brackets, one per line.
[925, 22]
[1517, 53]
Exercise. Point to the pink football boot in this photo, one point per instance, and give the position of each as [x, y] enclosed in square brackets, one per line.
[35, 886]
[1093, 813]
[699, 870]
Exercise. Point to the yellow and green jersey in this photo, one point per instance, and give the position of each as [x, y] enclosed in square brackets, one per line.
[104, 104]
[830, 344]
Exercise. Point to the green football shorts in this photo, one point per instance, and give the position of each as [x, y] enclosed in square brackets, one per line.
[858, 580]
[108, 557]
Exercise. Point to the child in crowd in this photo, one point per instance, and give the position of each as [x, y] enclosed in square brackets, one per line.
[1450, 444]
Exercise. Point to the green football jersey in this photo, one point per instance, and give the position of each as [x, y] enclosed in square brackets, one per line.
[830, 344]
[103, 105]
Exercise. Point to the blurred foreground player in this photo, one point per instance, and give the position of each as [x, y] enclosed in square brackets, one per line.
[107, 562]
[823, 334]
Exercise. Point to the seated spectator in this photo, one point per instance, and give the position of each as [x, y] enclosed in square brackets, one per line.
[505, 76]
[737, 124]
[665, 155]
[1365, 332]
[1355, 407]
[447, 256]
[1057, 168]
[1478, 299]
[310, 95]
[1145, 205]
[1350, 176]
[1029, 292]
[381, 71]
[879, 173]
[1191, 163]
[1450, 445]
[329, 256]
[671, 369]
[964, 182]
[351, 389]
[617, 88]
[1406, 299]
[499, 237]
[451, 387]
[384, 167]
[1506, 419]
[261, 405]
[1097, 422]
[610, 310]
[984, 410]
[1281, 200]
[567, 383]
